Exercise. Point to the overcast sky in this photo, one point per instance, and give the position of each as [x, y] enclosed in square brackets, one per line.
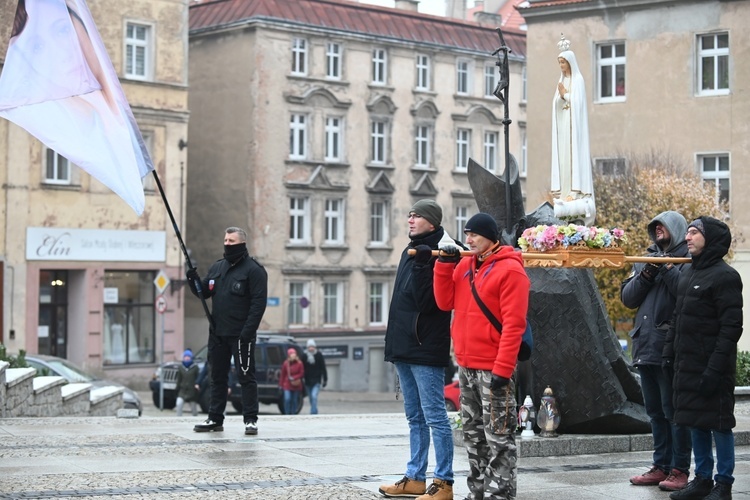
[434, 7]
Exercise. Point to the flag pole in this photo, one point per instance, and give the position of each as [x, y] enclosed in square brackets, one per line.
[197, 283]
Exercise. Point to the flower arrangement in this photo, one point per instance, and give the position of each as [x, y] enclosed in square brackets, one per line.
[455, 420]
[543, 238]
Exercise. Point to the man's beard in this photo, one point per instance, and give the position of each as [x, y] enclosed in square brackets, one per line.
[664, 242]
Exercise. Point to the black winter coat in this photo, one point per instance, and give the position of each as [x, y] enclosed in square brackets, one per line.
[703, 338]
[418, 331]
[239, 295]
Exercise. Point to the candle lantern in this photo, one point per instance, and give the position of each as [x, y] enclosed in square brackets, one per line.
[526, 418]
[548, 418]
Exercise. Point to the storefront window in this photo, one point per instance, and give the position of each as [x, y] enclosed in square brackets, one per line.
[52, 335]
[129, 332]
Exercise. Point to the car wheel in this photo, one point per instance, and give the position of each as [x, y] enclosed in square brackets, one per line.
[450, 406]
[280, 404]
[204, 398]
[169, 403]
[237, 405]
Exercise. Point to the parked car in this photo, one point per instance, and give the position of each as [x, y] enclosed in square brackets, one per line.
[51, 365]
[270, 353]
[451, 393]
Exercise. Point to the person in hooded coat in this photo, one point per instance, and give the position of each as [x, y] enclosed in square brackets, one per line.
[701, 349]
[652, 289]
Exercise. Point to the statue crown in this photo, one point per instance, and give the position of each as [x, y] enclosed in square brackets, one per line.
[563, 44]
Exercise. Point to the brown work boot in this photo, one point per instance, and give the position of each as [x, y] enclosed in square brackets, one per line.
[676, 480]
[404, 488]
[651, 478]
[438, 490]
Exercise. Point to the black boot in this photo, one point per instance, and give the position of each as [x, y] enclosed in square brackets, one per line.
[697, 489]
[721, 491]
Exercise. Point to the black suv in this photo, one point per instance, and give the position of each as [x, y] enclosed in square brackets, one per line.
[270, 353]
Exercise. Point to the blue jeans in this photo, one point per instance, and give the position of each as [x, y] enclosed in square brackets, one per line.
[291, 401]
[704, 456]
[671, 441]
[312, 395]
[424, 405]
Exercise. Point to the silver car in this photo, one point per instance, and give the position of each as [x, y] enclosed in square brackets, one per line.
[51, 365]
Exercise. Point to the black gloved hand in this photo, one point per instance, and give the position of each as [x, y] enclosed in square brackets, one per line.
[423, 255]
[667, 366]
[498, 383]
[325, 382]
[650, 271]
[192, 274]
[449, 253]
[709, 383]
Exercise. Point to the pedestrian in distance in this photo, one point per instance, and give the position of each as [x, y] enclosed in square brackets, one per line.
[652, 289]
[486, 357]
[417, 342]
[316, 375]
[701, 348]
[237, 286]
[187, 384]
[292, 381]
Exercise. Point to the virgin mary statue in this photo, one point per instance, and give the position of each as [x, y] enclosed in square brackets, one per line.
[572, 183]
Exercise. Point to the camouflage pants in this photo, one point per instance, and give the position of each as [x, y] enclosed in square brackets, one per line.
[489, 423]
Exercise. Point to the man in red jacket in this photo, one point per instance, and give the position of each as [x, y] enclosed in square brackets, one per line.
[486, 357]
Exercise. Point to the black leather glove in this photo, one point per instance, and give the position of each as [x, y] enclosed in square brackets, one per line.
[449, 253]
[498, 383]
[325, 382]
[667, 366]
[192, 274]
[650, 271]
[709, 383]
[423, 255]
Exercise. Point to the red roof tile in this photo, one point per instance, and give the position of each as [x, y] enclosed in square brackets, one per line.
[358, 18]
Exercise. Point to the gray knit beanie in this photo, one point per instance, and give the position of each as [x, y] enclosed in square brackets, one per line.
[429, 210]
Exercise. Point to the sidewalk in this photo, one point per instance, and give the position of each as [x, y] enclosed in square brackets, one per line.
[299, 457]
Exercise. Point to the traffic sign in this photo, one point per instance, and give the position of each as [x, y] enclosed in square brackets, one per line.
[161, 304]
[161, 281]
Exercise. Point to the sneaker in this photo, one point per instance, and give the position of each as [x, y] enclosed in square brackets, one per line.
[209, 426]
[651, 478]
[697, 489]
[404, 488]
[721, 491]
[438, 490]
[676, 480]
[251, 428]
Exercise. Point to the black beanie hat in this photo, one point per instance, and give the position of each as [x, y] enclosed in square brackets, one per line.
[429, 210]
[482, 224]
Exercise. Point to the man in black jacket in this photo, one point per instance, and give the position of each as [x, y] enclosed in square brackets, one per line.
[238, 287]
[701, 346]
[316, 374]
[652, 289]
[417, 341]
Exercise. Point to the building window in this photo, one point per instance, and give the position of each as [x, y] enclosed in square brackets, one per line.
[378, 142]
[56, 169]
[462, 217]
[298, 137]
[524, 84]
[610, 166]
[490, 151]
[462, 77]
[379, 222]
[522, 168]
[299, 56]
[422, 145]
[423, 72]
[298, 312]
[377, 303]
[333, 311]
[333, 139]
[333, 61]
[137, 51]
[463, 140]
[299, 220]
[713, 64]
[379, 66]
[715, 173]
[129, 324]
[490, 80]
[611, 70]
[334, 222]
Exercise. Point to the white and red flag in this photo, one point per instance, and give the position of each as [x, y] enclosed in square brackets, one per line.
[59, 84]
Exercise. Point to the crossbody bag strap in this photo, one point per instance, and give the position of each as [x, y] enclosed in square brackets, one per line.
[491, 317]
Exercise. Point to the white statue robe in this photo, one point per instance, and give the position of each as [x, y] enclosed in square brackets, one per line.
[571, 158]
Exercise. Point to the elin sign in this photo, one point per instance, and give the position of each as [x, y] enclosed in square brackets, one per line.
[61, 244]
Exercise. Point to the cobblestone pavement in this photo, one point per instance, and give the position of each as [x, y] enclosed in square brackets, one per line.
[302, 457]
